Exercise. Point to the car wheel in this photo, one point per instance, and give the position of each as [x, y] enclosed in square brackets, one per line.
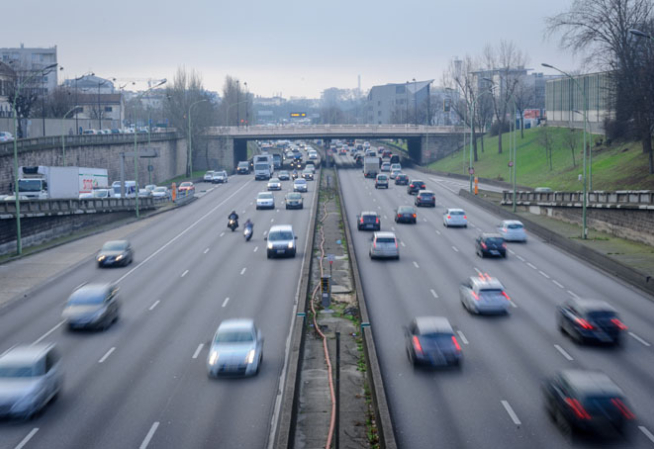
[268, 255]
[99, 265]
[465, 225]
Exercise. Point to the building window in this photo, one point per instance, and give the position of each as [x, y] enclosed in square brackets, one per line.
[400, 89]
[379, 113]
[108, 109]
[379, 103]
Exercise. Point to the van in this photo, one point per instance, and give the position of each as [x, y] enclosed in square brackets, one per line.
[130, 189]
[281, 241]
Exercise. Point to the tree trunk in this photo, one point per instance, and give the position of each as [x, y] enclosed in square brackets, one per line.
[474, 146]
[482, 142]
[522, 126]
[647, 149]
[574, 163]
[499, 137]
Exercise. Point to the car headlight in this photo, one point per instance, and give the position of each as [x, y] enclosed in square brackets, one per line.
[290, 245]
[250, 357]
[101, 258]
[213, 358]
[270, 245]
[119, 257]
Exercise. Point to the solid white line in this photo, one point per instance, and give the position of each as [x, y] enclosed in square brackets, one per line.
[477, 270]
[415, 264]
[643, 429]
[640, 340]
[434, 294]
[221, 234]
[49, 332]
[520, 258]
[531, 265]
[573, 294]
[225, 301]
[544, 274]
[149, 436]
[243, 271]
[29, 436]
[463, 337]
[106, 356]
[564, 353]
[511, 413]
[156, 303]
[514, 305]
[558, 284]
[197, 351]
[455, 249]
[402, 243]
[185, 273]
[256, 248]
[206, 251]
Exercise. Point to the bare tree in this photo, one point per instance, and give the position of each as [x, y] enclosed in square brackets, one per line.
[524, 96]
[546, 139]
[25, 89]
[571, 139]
[236, 105]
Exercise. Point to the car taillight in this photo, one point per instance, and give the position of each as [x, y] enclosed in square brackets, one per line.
[412, 186]
[584, 324]
[623, 408]
[456, 343]
[504, 245]
[506, 296]
[578, 409]
[416, 344]
[483, 245]
[475, 295]
[361, 221]
[465, 218]
[449, 216]
[399, 215]
[619, 324]
[395, 244]
[414, 215]
[377, 220]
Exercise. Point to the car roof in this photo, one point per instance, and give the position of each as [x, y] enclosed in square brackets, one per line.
[590, 382]
[384, 234]
[283, 227]
[274, 180]
[486, 282]
[429, 324]
[589, 305]
[122, 242]
[422, 192]
[453, 209]
[508, 222]
[24, 354]
[406, 207]
[264, 193]
[236, 324]
[417, 180]
[93, 289]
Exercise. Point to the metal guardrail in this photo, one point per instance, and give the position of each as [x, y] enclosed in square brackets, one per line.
[31, 208]
[234, 131]
[597, 198]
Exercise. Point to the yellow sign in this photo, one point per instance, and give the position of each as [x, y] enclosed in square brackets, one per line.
[298, 114]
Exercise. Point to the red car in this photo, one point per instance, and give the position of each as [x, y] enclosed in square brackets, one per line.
[187, 186]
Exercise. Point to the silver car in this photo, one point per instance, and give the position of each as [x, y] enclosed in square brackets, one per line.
[274, 184]
[265, 200]
[513, 231]
[208, 176]
[93, 306]
[300, 185]
[219, 177]
[281, 241]
[30, 377]
[384, 245]
[237, 349]
[484, 294]
[455, 217]
[161, 192]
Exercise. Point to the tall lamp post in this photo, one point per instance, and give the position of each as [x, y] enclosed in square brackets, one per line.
[19, 86]
[584, 231]
[63, 136]
[136, 150]
[190, 146]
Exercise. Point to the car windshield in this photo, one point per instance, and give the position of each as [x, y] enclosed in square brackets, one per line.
[601, 315]
[114, 246]
[160, 189]
[265, 196]
[370, 218]
[261, 166]
[515, 226]
[29, 185]
[405, 210]
[100, 193]
[185, 184]
[456, 212]
[234, 336]
[294, 196]
[300, 181]
[385, 240]
[86, 297]
[273, 180]
[426, 195]
[436, 337]
[243, 164]
[280, 235]
[494, 240]
[13, 371]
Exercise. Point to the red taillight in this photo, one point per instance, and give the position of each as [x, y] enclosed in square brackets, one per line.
[414, 215]
[578, 409]
[465, 218]
[506, 296]
[475, 295]
[416, 344]
[361, 220]
[584, 324]
[456, 343]
[504, 245]
[619, 324]
[623, 408]
[483, 245]
[377, 220]
[399, 215]
[449, 216]
[412, 186]
[395, 244]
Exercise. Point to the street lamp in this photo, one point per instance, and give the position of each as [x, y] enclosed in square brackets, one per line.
[136, 149]
[230, 107]
[584, 231]
[63, 137]
[190, 147]
[19, 86]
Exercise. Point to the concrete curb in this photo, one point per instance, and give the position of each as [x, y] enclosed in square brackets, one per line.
[612, 267]
[492, 182]
[380, 404]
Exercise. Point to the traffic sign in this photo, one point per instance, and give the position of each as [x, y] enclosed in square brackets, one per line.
[510, 163]
[471, 171]
[298, 114]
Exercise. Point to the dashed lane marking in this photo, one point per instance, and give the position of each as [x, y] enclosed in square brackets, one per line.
[433, 293]
[27, 438]
[156, 303]
[149, 436]
[184, 273]
[197, 351]
[557, 283]
[511, 413]
[545, 275]
[415, 264]
[564, 353]
[106, 356]
[463, 337]
[638, 339]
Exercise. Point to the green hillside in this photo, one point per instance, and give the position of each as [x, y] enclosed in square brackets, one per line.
[619, 166]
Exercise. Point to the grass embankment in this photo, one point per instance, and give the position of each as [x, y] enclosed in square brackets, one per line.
[618, 166]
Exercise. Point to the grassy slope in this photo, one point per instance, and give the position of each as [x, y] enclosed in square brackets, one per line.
[619, 166]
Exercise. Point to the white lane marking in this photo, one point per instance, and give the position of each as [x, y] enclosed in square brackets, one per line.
[156, 303]
[513, 304]
[638, 339]
[206, 251]
[402, 243]
[256, 248]
[81, 285]
[643, 429]
[472, 225]
[374, 199]
[221, 234]
[424, 219]
[184, 273]
[511, 413]
[392, 228]
[463, 337]
[225, 301]
[433, 293]
[438, 232]
[558, 284]
[511, 251]
[243, 211]
[27, 438]
[415, 264]
[42, 337]
[379, 207]
[544, 274]
[573, 294]
[264, 233]
[106, 356]
[477, 270]
[210, 189]
[149, 436]
[197, 351]
[272, 220]
[531, 265]
[277, 210]
[520, 258]
[243, 271]
[385, 217]
[564, 353]
[455, 249]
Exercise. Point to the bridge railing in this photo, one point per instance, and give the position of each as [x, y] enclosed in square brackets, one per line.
[596, 198]
[72, 206]
[331, 129]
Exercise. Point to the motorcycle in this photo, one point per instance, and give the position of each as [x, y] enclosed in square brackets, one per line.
[232, 224]
[247, 233]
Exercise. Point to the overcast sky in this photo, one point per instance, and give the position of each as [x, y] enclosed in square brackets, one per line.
[292, 47]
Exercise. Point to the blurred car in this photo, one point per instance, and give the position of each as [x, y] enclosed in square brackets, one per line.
[589, 401]
[401, 179]
[415, 186]
[484, 295]
[115, 252]
[30, 377]
[430, 341]
[455, 217]
[187, 186]
[513, 231]
[386, 167]
[284, 175]
[96, 193]
[274, 184]
[265, 200]
[394, 173]
[281, 241]
[150, 187]
[368, 220]
[243, 168]
[384, 245]
[208, 176]
[92, 306]
[307, 174]
[487, 244]
[294, 200]
[161, 192]
[236, 349]
[425, 198]
[300, 185]
[6, 136]
[590, 320]
[406, 214]
[219, 177]
[144, 193]
[543, 190]
[381, 181]
[309, 166]
[90, 132]
[396, 167]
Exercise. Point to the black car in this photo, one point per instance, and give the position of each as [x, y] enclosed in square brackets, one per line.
[368, 220]
[490, 245]
[406, 214]
[415, 186]
[589, 401]
[425, 198]
[115, 252]
[402, 180]
[243, 168]
[590, 320]
[294, 200]
[92, 306]
[430, 341]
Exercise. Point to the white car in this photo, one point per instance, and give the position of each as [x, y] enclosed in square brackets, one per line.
[150, 187]
[513, 231]
[6, 136]
[455, 217]
[237, 348]
[300, 185]
[384, 245]
[97, 193]
[161, 192]
[208, 176]
[265, 200]
[219, 177]
[396, 167]
[274, 184]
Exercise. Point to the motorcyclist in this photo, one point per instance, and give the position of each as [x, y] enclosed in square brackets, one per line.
[249, 224]
[294, 173]
[233, 216]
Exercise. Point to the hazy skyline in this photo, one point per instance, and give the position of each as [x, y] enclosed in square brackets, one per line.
[296, 48]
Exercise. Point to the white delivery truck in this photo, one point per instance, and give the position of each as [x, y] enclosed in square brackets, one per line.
[43, 182]
[370, 166]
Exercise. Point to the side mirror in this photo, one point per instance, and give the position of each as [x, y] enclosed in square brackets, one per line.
[295, 237]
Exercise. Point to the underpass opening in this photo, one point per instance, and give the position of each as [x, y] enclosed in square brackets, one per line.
[414, 144]
[240, 151]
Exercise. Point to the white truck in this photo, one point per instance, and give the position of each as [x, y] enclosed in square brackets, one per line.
[260, 169]
[370, 166]
[43, 182]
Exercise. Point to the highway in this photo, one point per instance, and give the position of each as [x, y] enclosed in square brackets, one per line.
[143, 383]
[494, 400]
